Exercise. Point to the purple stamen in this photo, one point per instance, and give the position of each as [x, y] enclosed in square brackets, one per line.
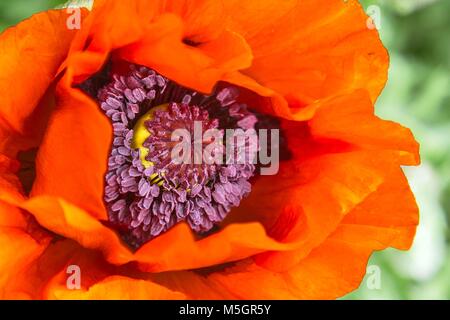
[200, 194]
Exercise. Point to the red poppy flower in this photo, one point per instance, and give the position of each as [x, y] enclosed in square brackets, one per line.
[77, 189]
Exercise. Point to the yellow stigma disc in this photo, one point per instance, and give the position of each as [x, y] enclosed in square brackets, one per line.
[140, 135]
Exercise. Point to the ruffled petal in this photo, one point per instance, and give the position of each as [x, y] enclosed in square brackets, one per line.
[303, 207]
[351, 118]
[71, 222]
[72, 159]
[391, 211]
[10, 186]
[338, 265]
[31, 54]
[97, 279]
[317, 50]
[39, 270]
[17, 250]
[330, 271]
[117, 288]
[187, 40]
[170, 31]
[195, 285]
[199, 67]
[109, 26]
[177, 249]
[339, 157]
[19, 245]
[47, 275]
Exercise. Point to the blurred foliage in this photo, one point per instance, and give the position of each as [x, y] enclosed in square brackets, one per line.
[416, 33]
[11, 12]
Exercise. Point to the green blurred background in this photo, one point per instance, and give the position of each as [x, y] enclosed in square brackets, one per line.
[417, 34]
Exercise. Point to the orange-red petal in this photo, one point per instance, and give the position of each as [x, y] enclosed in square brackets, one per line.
[339, 159]
[310, 50]
[116, 288]
[175, 250]
[338, 265]
[391, 211]
[10, 186]
[351, 118]
[199, 67]
[31, 54]
[97, 279]
[17, 250]
[72, 159]
[130, 30]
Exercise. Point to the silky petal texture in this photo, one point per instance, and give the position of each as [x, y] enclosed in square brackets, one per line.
[17, 250]
[36, 274]
[304, 208]
[327, 55]
[100, 281]
[118, 288]
[72, 159]
[11, 217]
[18, 247]
[391, 210]
[328, 44]
[331, 270]
[312, 230]
[200, 67]
[175, 250]
[146, 26]
[112, 25]
[74, 223]
[31, 53]
[326, 176]
[351, 118]
[10, 186]
[338, 265]
[178, 250]
[19, 244]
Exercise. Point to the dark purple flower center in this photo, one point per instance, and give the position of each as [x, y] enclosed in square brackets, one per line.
[178, 169]
[148, 190]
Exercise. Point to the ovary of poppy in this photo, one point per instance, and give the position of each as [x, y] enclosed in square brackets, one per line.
[310, 68]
